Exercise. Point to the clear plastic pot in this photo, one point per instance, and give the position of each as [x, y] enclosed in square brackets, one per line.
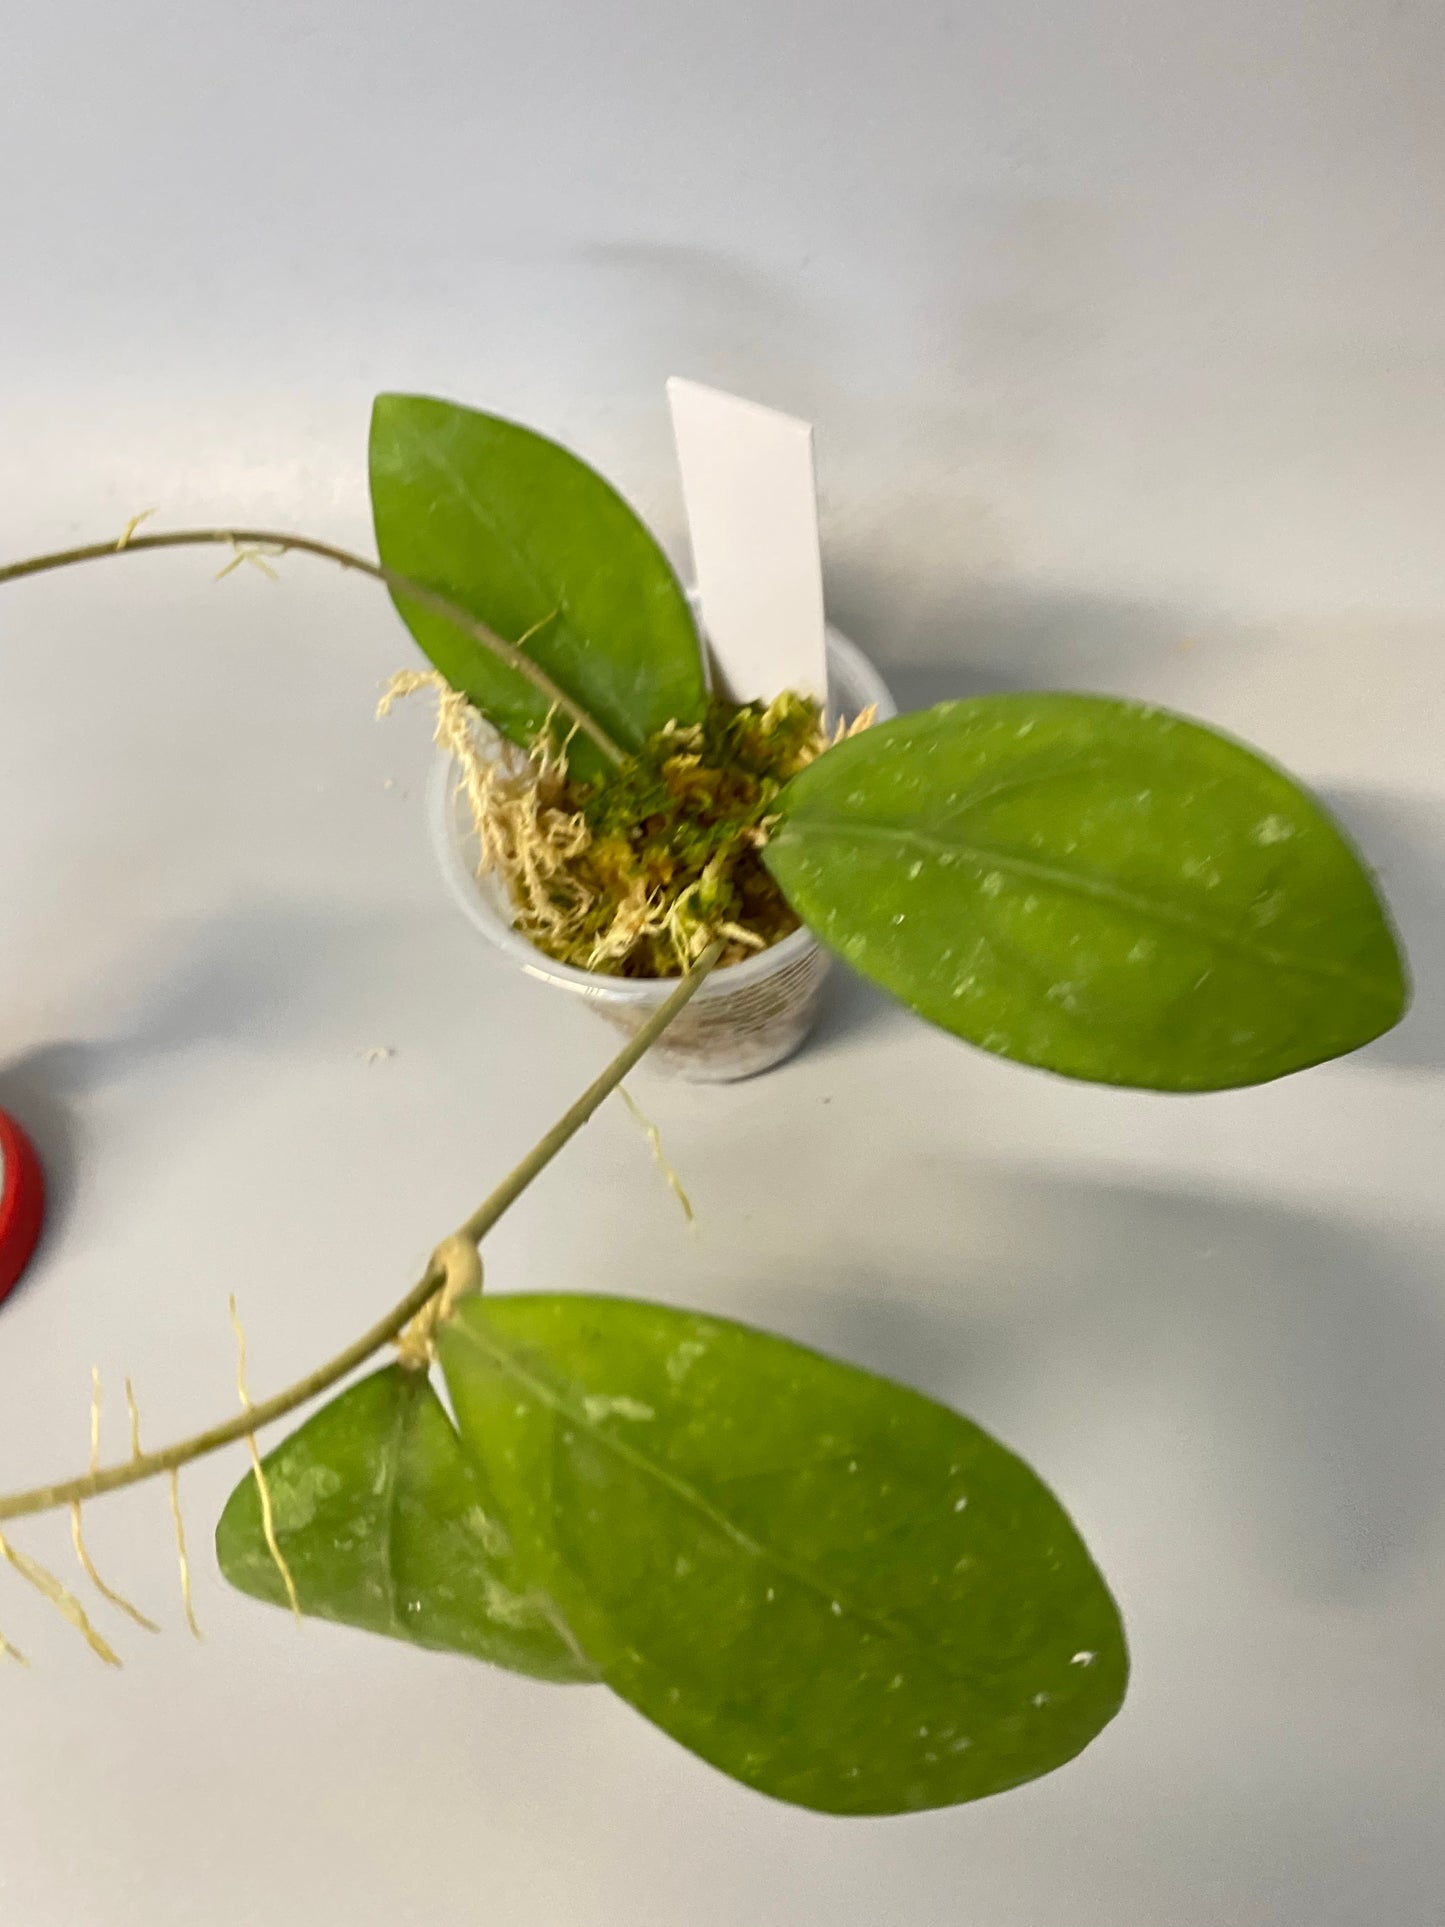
[747, 1016]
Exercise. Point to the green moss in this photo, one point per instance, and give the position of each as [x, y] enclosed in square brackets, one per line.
[675, 841]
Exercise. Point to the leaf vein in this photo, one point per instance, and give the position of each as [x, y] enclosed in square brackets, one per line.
[1099, 889]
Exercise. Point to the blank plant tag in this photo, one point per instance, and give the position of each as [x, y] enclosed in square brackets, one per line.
[752, 513]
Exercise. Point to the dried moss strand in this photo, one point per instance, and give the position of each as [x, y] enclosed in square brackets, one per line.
[253, 541]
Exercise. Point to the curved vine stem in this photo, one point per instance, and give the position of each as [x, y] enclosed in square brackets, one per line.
[280, 542]
[44, 1498]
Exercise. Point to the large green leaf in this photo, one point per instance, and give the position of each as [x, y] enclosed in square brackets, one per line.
[385, 1523]
[836, 1590]
[522, 533]
[1092, 886]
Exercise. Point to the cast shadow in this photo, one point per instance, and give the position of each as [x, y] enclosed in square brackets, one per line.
[970, 638]
[262, 975]
[1284, 1368]
[1402, 838]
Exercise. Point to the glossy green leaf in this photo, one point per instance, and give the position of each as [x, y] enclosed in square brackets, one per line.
[829, 1586]
[522, 533]
[1095, 887]
[385, 1523]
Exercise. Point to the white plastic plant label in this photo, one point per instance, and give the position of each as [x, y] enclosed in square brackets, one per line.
[752, 515]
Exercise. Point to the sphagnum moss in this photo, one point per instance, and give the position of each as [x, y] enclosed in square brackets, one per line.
[634, 875]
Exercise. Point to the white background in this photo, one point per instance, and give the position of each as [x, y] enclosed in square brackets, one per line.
[1123, 326]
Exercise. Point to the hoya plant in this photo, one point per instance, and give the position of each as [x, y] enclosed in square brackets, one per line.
[838, 1591]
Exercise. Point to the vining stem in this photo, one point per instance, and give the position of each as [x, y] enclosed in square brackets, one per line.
[278, 542]
[146, 1465]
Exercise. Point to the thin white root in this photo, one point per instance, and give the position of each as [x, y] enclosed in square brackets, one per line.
[659, 1156]
[7, 1651]
[252, 553]
[61, 1597]
[130, 528]
[181, 1558]
[179, 1523]
[87, 1564]
[134, 1410]
[268, 1520]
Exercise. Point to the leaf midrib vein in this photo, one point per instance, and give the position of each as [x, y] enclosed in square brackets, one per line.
[690, 1496]
[1099, 889]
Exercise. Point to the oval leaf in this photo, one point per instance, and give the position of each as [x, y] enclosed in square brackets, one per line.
[829, 1586]
[527, 537]
[1092, 886]
[385, 1523]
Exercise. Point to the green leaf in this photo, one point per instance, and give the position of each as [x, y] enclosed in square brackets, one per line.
[521, 533]
[829, 1586]
[1092, 886]
[385, 1523]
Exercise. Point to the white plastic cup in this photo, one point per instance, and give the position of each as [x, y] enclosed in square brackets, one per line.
[746, 1016]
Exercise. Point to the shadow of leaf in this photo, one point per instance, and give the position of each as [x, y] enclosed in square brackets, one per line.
[1274, 1373]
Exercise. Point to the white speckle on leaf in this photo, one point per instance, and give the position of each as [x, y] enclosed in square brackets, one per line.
[492, 1535]
[895, 1682]
[915, 871]
[1041, 1699]
[683, 1358]
[960, 1504]
[1142, 951]
[992, 883]
[1271, 829]
[599, 1406]
[1083, 1659]
[682, 1565]
[836, 1610]
[294, 1499]
[510, 1608]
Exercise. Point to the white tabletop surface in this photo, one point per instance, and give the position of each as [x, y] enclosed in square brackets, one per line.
[1122, 330]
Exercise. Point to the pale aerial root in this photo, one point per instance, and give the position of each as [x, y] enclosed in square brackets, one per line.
[268, 1517]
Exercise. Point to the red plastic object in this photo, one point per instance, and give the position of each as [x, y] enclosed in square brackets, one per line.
[22, 1201]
